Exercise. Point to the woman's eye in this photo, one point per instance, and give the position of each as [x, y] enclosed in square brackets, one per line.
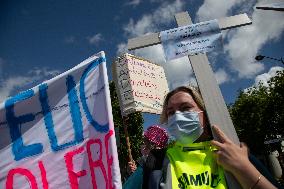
[186, 108]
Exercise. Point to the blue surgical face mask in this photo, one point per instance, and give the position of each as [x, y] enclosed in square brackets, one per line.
[185, 126]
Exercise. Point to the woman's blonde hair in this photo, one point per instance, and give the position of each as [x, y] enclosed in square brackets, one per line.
[187, 89]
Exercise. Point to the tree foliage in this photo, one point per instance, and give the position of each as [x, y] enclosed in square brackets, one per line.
[135, 131]
[258, 114]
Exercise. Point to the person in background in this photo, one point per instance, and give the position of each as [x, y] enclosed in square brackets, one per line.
[195, 160]
[155, 140]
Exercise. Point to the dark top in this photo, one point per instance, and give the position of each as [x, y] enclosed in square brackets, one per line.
[264, 171]
[152, 167]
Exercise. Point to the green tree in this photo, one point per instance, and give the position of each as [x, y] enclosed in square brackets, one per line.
[258, 114]
[135, 132]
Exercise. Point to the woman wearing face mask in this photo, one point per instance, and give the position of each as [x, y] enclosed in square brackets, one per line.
[155, 140]
[194, 160]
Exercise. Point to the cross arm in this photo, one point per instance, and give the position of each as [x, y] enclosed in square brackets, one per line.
[143, 41]
[273, 6]
[153, 39]
[234, 21]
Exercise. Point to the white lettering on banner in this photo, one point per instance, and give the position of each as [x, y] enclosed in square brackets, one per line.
[189, 40]
[141, 84]
[69, 141]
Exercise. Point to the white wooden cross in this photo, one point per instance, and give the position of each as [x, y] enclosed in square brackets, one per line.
[215, 105]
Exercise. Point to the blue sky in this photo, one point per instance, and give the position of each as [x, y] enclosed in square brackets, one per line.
[40, 39]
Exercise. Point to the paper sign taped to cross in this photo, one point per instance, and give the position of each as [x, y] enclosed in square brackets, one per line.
[188, 40]
[60, 134]
[141, 85]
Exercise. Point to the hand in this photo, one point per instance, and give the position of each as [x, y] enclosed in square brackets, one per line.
[131, 167]
[234, 159]
[230, 156]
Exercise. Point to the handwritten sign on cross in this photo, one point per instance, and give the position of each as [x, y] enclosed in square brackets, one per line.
[215, 105]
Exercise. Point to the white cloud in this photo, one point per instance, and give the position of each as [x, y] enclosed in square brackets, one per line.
[153, 53]
[70, 40]
[44, 72]
[212, 9]
[247, 41]
[244, 42]
[178, 72]
[221, 76]
[264, 78]
[33, 77]
[133, 3]
[121, 48]
[10, 84]
[149, 22]
[95, 38]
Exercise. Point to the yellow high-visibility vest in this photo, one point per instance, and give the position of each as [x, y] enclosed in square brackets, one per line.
[194, 166]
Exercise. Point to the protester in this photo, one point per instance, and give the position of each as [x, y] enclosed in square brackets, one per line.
[194, 161]
[155, 140]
